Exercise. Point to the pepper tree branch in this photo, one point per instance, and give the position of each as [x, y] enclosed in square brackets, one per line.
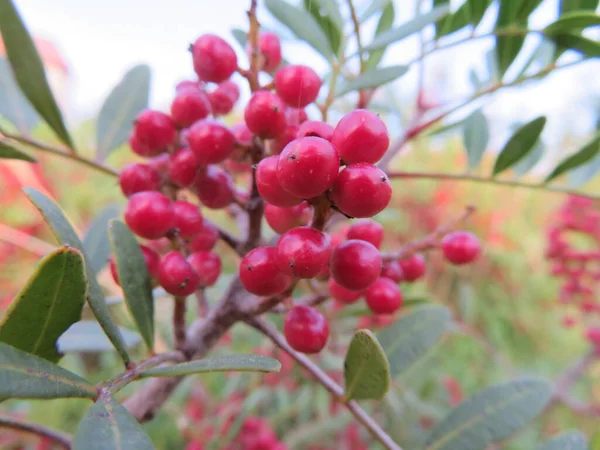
[568, 378]
[58, 438]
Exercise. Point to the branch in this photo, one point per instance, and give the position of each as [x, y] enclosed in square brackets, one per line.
[60, 439]
[359, 45]
[252, 74]
[567, 380]
[233, 242]
[179, 307]
[256, 204]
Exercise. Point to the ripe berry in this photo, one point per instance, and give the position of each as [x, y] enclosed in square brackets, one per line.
[207, 265]
[593, 336]
[461, 247]
[149, 215]
[160, 163]
[155, 131]
[269, 186]
[315, 128]
[342, 294]
[270, 51]
[137, 147]
[223, 98]
[303, 252]
[151, 258]
[183, 167]
[284, 219]
[176, 275]
[189, 106]
[413, 267]
[188, 219]
[260, 275]
[136, 177]
[305, 329]
[295, 116]
[243, 136]
[355, 265]
[307, 167]
[187, 84]
[393, 271]
[265, 115]
[367, 230]
[205, 239]
[215, 188]
[277, 145]
[211, 142]
[361, 136]
[383, 297]
[214, 59]
[297, 85]
[361, 190]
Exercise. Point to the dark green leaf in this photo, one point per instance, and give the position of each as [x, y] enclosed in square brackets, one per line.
[519, 145]
[127, 99]
[87, 336]
[571, 440]
[490, 415]
[576, 20]
[26, 376]
[13, 105]
[475, 137]
[470, 13]
[241, 37]
[9, 152]
[385, 23]
[65, 234]
[372, 79]
[373, 8]
[107, 425]
[331, 26]
[531, 160]
[29, 70]
[95, 239]
[583, 45]
[50, 302]
[366, 368]
[411, 336]
[583, 156]
[581, 175]
[573, 5]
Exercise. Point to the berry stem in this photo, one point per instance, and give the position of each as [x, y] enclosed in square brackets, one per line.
[59, 439]
[256, 205]
[252, 74]
[322, 210]
[202, 304]
[359, 45]
[179, 335]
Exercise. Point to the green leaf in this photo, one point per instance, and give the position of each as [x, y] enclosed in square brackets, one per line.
[107, 425]
[328, 16]
[476, 136]
[26, 376]
[573, 5]
[531, 160]
[585, 46]
[302, 24]
[224, 363]
[571, 440]
[385, 23]
[519, 145]
[583, 156]
[576, 20]
[87, 336]
[366, 368]
[13, 105]
[29, 70]
[411, 336]
[372, 79]
[95, 239]
[134, 279]
[373, 8]
[470, 13]
[241, 37]
[9, 152]
[50, 302]
[65, 234]
[581, 175]
[490, 415]
[127, 99]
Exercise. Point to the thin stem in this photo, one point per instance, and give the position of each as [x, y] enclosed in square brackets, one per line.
[359, 45]
[335, 72]
[202, 304]
[233, 242]
[179, 308]
[256, 204]
[58, 438]
[252, 74]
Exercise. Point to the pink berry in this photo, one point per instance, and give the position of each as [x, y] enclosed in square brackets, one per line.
[367, 230]
[315, 128]
[224, 97]
[151, 258]
[342, 294]
[284, 219]
[189, 106]
[269, 186]
[205, 239]
[207, 265]
[461, 247]
[160, 163]
[155, 131]
[355, 265]
[269, 47]
[383, 296]
[215, 188]
[593, 336]
[211, 142]
[176, 275]
[297, 85]
[303, 252]
[393, 271]
[188, 219]
[243, 136]
[187, 84]
[183, 167]
[413, 267]
[361, 136]
[295, 116]
[136, 177]
[278, 144]
[260, 275]
[149, 215]
[214, 59]
[265, 115]
[305, 329]
[138, 148]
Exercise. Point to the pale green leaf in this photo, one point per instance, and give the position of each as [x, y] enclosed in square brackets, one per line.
[13, 104]
[476, 136]
[372, 79]
[385, 23]
[87, 337]
[95, 239]
[571, 440]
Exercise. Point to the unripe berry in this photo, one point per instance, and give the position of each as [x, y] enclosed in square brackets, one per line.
[284, 219]
[188, 219]
[149, 215]
[151, 258]
[205, 239]
[295, 116]
[355, 265]
[215, 188]
[269, 186]
[413, 267]
[223, 98]
[303, 252]
[367, 230]
[393, 271]
[383, 296]
[342, 294]
[297, 85]
[265, 115]
[207, 265]
[315, 128]
[176, 275]
[260, 275]
[136, 177]
[214, 59]
[305, 329]
[211, 142]
[461, 247]
[269, 47]
[155, 131]
[183, 167]
[189, 106]
[361, 190]
[243, 136]
[361, 136]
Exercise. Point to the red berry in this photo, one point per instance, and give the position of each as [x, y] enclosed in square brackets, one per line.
[278, 144]
[270, 51]
[367, 230]
[461, 247]
[295, 116]
[138, 148]
[355, 265]
[149, 215]
[160, 163]
[303, 252]
[155, 131]
[243, 136]
[593, 336]
[342, 294]
[268, 184]
[223, 98]
[214, 59]
[260, 275]
[176, 275]
[413, 267]
[284, 219]
[188, 219]
[207, 265]
[265, 115]
[136, 177]
[297, 85]
[393, 271]
[305, 329]
[211, 142]
[215, 188]
[383, 296]
[205, 239]
[307, 167]
[189, 106]
[361, 190]
[183, 167]
[315, 128]
[187, 84]
[361, 136]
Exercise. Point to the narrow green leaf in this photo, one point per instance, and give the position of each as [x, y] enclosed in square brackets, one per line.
[490, 415]
[476, 136]
[576, 20]
[332, 30]
[583, 45]
[49, 303]
[571, 440]
[372, 79]
[511, 14]
[566, 6]
[519, 145]
[65, 234]
[87, 337]
[241, 37]
[95, 239]
[26, 376]
[9, 152]
[581, 175]
[531, 160]
[13, 105]
[470, 13]
[366, 368]
[385, 23]
[134, 279]
[107, 425]
[29, 70]
[411, 336]
[373, 8]
[225, 363]
[583, 156]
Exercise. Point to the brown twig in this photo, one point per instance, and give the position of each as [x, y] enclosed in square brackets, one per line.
[568, 378]
[252, 74]
[60, 439]
[202, 304]
[309, 300]
[256, 204]
[179, 308]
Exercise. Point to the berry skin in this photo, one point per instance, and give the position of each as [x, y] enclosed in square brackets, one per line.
[461, 247]
[187, 84]
[315, 128]
[160, 163]
[393, 271]
[176, 275]
[136, 177]
[151, 258]
[342, 294]
[295, 116]
[149, 215]
[205, 239]
[278, 144]
[189, 106]
[265, 115]
[367, 230]
[307, 167]
[355, 265]
[215, 188]
[270, 51]
[183, 167]
[361, 190]
[138, 148]
[297, 85]
[284, 219]
[260, 275]
[303, 252]
[242, 135]
[214, 59]
[155, 131]
[188, 219]
[383, 297]
[269, 186]
[413, 268]
[361, 136]
[305, 329]
[207, 265]
[211, 142]
[223, 98]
